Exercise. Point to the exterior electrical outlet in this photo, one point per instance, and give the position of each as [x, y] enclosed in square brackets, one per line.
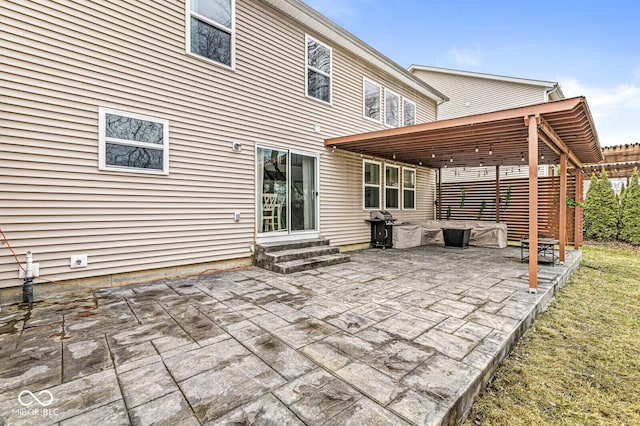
[78, 261]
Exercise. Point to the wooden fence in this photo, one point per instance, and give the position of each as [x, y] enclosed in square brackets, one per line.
[516, 215]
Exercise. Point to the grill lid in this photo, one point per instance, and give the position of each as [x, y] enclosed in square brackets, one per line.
[382, 215]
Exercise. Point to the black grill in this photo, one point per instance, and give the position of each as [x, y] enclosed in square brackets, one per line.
[381, 229]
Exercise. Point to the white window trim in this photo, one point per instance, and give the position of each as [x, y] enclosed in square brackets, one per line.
[307, 38]
[232, 30]
[399, 187]
[102, 142]
[415, 185]
[365, 80]
[365, 184]
[415, 111]
[384, 119]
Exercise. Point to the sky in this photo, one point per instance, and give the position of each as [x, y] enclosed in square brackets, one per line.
[591, 47]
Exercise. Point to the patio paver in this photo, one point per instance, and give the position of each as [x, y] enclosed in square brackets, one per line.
[393, 337]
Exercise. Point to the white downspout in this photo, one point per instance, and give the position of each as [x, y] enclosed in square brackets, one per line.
[547, 93]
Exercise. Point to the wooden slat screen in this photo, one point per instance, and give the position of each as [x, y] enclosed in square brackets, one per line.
[517, 214]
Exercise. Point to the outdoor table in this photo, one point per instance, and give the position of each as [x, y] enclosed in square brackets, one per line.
[546, 250]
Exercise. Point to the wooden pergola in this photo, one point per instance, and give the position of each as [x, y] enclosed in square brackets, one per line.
[619, 161]
[501, 138]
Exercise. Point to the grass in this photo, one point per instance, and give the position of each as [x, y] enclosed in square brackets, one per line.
[580, 362]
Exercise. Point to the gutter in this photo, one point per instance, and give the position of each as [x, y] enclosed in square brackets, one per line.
[556, 88]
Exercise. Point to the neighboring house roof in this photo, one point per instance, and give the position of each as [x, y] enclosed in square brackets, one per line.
[553, 86]
[315, 21]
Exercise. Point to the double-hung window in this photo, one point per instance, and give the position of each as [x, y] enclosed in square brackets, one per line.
[391, 187]
[372, 97]
[371, 172]
[133, 142]
[210, 30]
[391, 108]
[318, 70]
[408, 188]
[408, 112]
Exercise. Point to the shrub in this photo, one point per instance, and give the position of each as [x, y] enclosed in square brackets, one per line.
[601, 209]
[621, 199]
[630, 218]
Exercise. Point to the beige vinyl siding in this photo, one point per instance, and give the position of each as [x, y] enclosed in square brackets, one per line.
[482, 95]
[62, 60]
[342, 212]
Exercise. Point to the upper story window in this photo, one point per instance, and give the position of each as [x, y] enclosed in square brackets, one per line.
[210, 30]
[372, 97]
[391, 187]
[372, 177]
[132, 142]
[408, 112]
[391, 108]
[318, 70]
[408, 188]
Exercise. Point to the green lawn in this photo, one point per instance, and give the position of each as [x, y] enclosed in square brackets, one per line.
[580, 362]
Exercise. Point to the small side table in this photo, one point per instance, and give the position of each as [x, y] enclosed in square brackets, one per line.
[546, 250]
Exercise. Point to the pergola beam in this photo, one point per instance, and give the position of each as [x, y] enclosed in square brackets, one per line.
[557, 140]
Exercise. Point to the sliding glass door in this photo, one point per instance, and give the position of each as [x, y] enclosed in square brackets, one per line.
[303, 192]
[287, 192]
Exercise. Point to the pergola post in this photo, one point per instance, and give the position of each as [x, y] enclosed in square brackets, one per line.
[577, 231]
[532, 122]
[562, 223]
[439, 215]
[497, 194]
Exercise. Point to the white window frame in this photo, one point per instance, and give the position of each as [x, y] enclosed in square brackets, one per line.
[398, 187]
[308, 38]
[386, 93]
[103, 139]
[415, 185]
[365, 80]
[415, 111]
[232, 31]
[365, 184]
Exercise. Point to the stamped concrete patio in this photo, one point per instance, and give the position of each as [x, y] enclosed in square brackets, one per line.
[393, 337]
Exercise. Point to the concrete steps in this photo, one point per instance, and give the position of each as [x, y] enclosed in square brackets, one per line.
[287, 258]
